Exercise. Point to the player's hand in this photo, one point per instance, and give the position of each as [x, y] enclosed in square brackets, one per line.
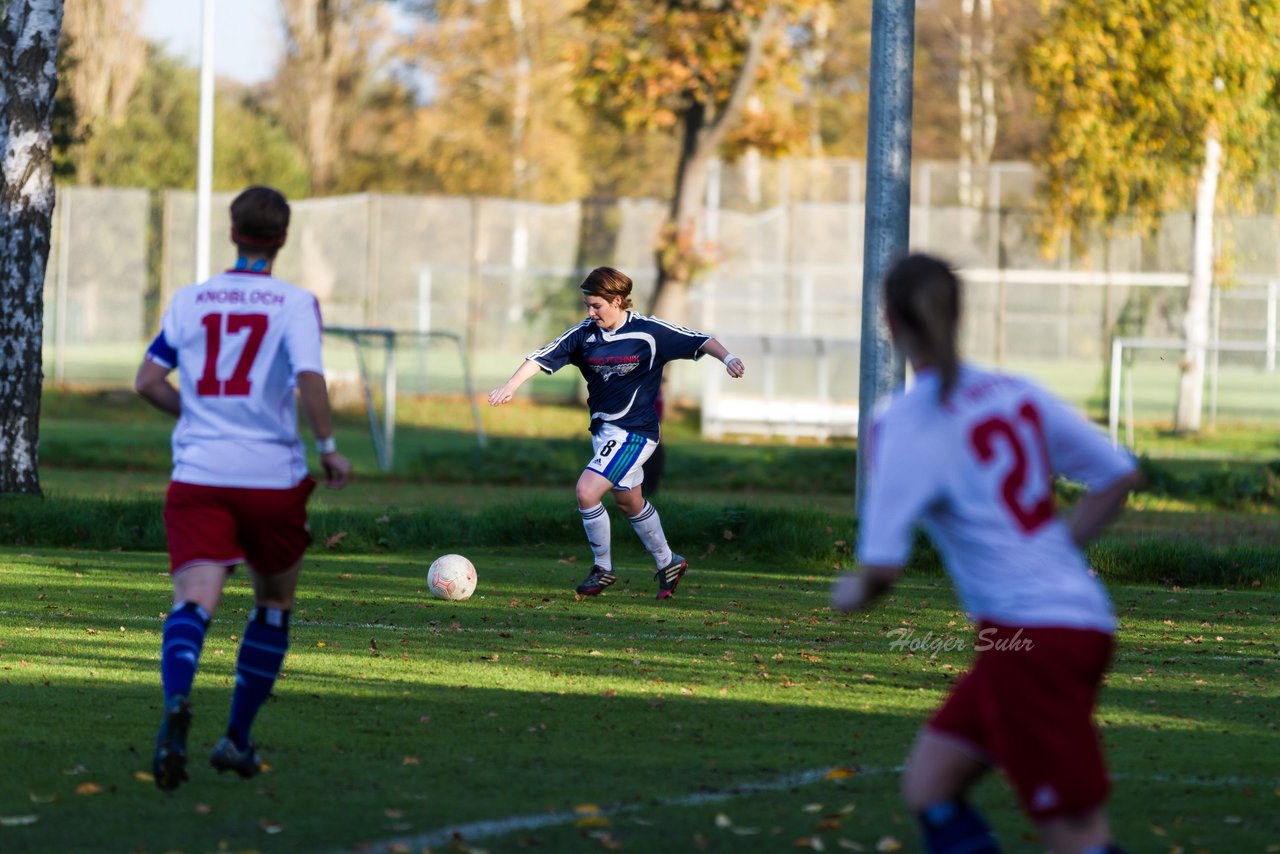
[500, 395]
[337, 470]
[849, 593]
[735, 368]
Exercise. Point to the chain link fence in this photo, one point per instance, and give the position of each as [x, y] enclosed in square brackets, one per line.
[787, 238]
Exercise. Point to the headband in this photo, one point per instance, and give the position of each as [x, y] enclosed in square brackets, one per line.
[272, 242]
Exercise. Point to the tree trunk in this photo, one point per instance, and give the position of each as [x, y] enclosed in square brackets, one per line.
[705, 127]
[1196, 320]
[28, 82]
[964, 94]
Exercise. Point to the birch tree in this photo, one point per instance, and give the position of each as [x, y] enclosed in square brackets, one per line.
[28, 82]
[1154, 104]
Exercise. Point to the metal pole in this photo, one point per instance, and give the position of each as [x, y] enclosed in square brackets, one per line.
[62, 285]
[204, 166]
[888, 201]
[1113, 401]
[1271, 325]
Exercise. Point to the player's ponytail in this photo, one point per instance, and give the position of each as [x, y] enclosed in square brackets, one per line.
[922, 295]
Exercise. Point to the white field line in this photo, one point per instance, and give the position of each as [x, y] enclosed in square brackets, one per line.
[569, 634]
[478, 830]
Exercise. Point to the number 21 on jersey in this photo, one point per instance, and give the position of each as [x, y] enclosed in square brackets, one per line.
[249, 329]
[1030, 503]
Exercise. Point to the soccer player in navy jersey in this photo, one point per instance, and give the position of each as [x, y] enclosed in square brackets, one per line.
[971, 455]
[245, 342]
[621, 354]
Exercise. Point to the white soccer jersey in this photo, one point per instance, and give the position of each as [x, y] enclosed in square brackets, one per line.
[239, 340]
[977, 472]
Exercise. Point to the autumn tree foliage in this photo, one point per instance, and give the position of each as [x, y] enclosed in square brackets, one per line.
[698, 69]
[1151, 103]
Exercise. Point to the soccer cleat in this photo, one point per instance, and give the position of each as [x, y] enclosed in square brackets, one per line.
[227, 757]
[596, 581]
[169, 767]
[669, 576]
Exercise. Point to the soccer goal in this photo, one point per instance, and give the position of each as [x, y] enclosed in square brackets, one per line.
[1241, 375]
[383, 379]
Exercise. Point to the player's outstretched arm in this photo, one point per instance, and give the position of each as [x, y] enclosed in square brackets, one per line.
[152, 383]
[505, 392]
[1097, 509]
[854, 591]
[315, 406]
[732, 364]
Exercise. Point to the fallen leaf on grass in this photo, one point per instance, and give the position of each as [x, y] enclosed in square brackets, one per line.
[269, 826]
[88, 789]
[593, 821]
[813, 842]
[840, 774]
[143, 777]
[411, 760]
[335, 539]
[723, 820]
[888, 843]
[849, 845]
[812, 807]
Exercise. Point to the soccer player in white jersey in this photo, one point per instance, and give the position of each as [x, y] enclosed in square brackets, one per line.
[972, 456]
[621, 355]
[243, 342]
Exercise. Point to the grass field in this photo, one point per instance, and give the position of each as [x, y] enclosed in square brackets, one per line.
[400, 718]
[741, 716]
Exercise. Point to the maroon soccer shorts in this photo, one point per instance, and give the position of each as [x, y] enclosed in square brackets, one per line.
[224, 526]
[1027, 706]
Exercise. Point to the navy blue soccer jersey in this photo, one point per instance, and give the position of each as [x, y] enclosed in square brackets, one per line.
[623, 367]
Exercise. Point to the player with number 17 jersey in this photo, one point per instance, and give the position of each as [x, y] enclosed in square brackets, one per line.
[239, 340]
[978, 471]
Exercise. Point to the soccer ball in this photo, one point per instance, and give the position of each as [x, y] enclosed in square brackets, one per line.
[452, 577]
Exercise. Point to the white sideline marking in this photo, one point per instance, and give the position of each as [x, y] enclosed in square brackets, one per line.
[478, 830]
[500, 826]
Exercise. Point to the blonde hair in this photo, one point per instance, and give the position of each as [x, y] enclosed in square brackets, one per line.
[922, 295]
[607, 283]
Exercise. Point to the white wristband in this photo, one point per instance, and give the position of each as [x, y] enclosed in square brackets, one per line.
[327, 445]
[728, 357]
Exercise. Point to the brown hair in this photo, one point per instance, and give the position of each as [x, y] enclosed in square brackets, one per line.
[607, 283]
[259, 220]
[922, 295]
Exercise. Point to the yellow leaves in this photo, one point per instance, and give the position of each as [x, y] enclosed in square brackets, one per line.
[88, 789]
[589, 816]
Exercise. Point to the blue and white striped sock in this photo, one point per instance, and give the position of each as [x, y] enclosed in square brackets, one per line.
[262, 651]
[182, 640]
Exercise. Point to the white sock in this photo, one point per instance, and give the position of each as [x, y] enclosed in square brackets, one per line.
[595, 521]
[648, 528]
